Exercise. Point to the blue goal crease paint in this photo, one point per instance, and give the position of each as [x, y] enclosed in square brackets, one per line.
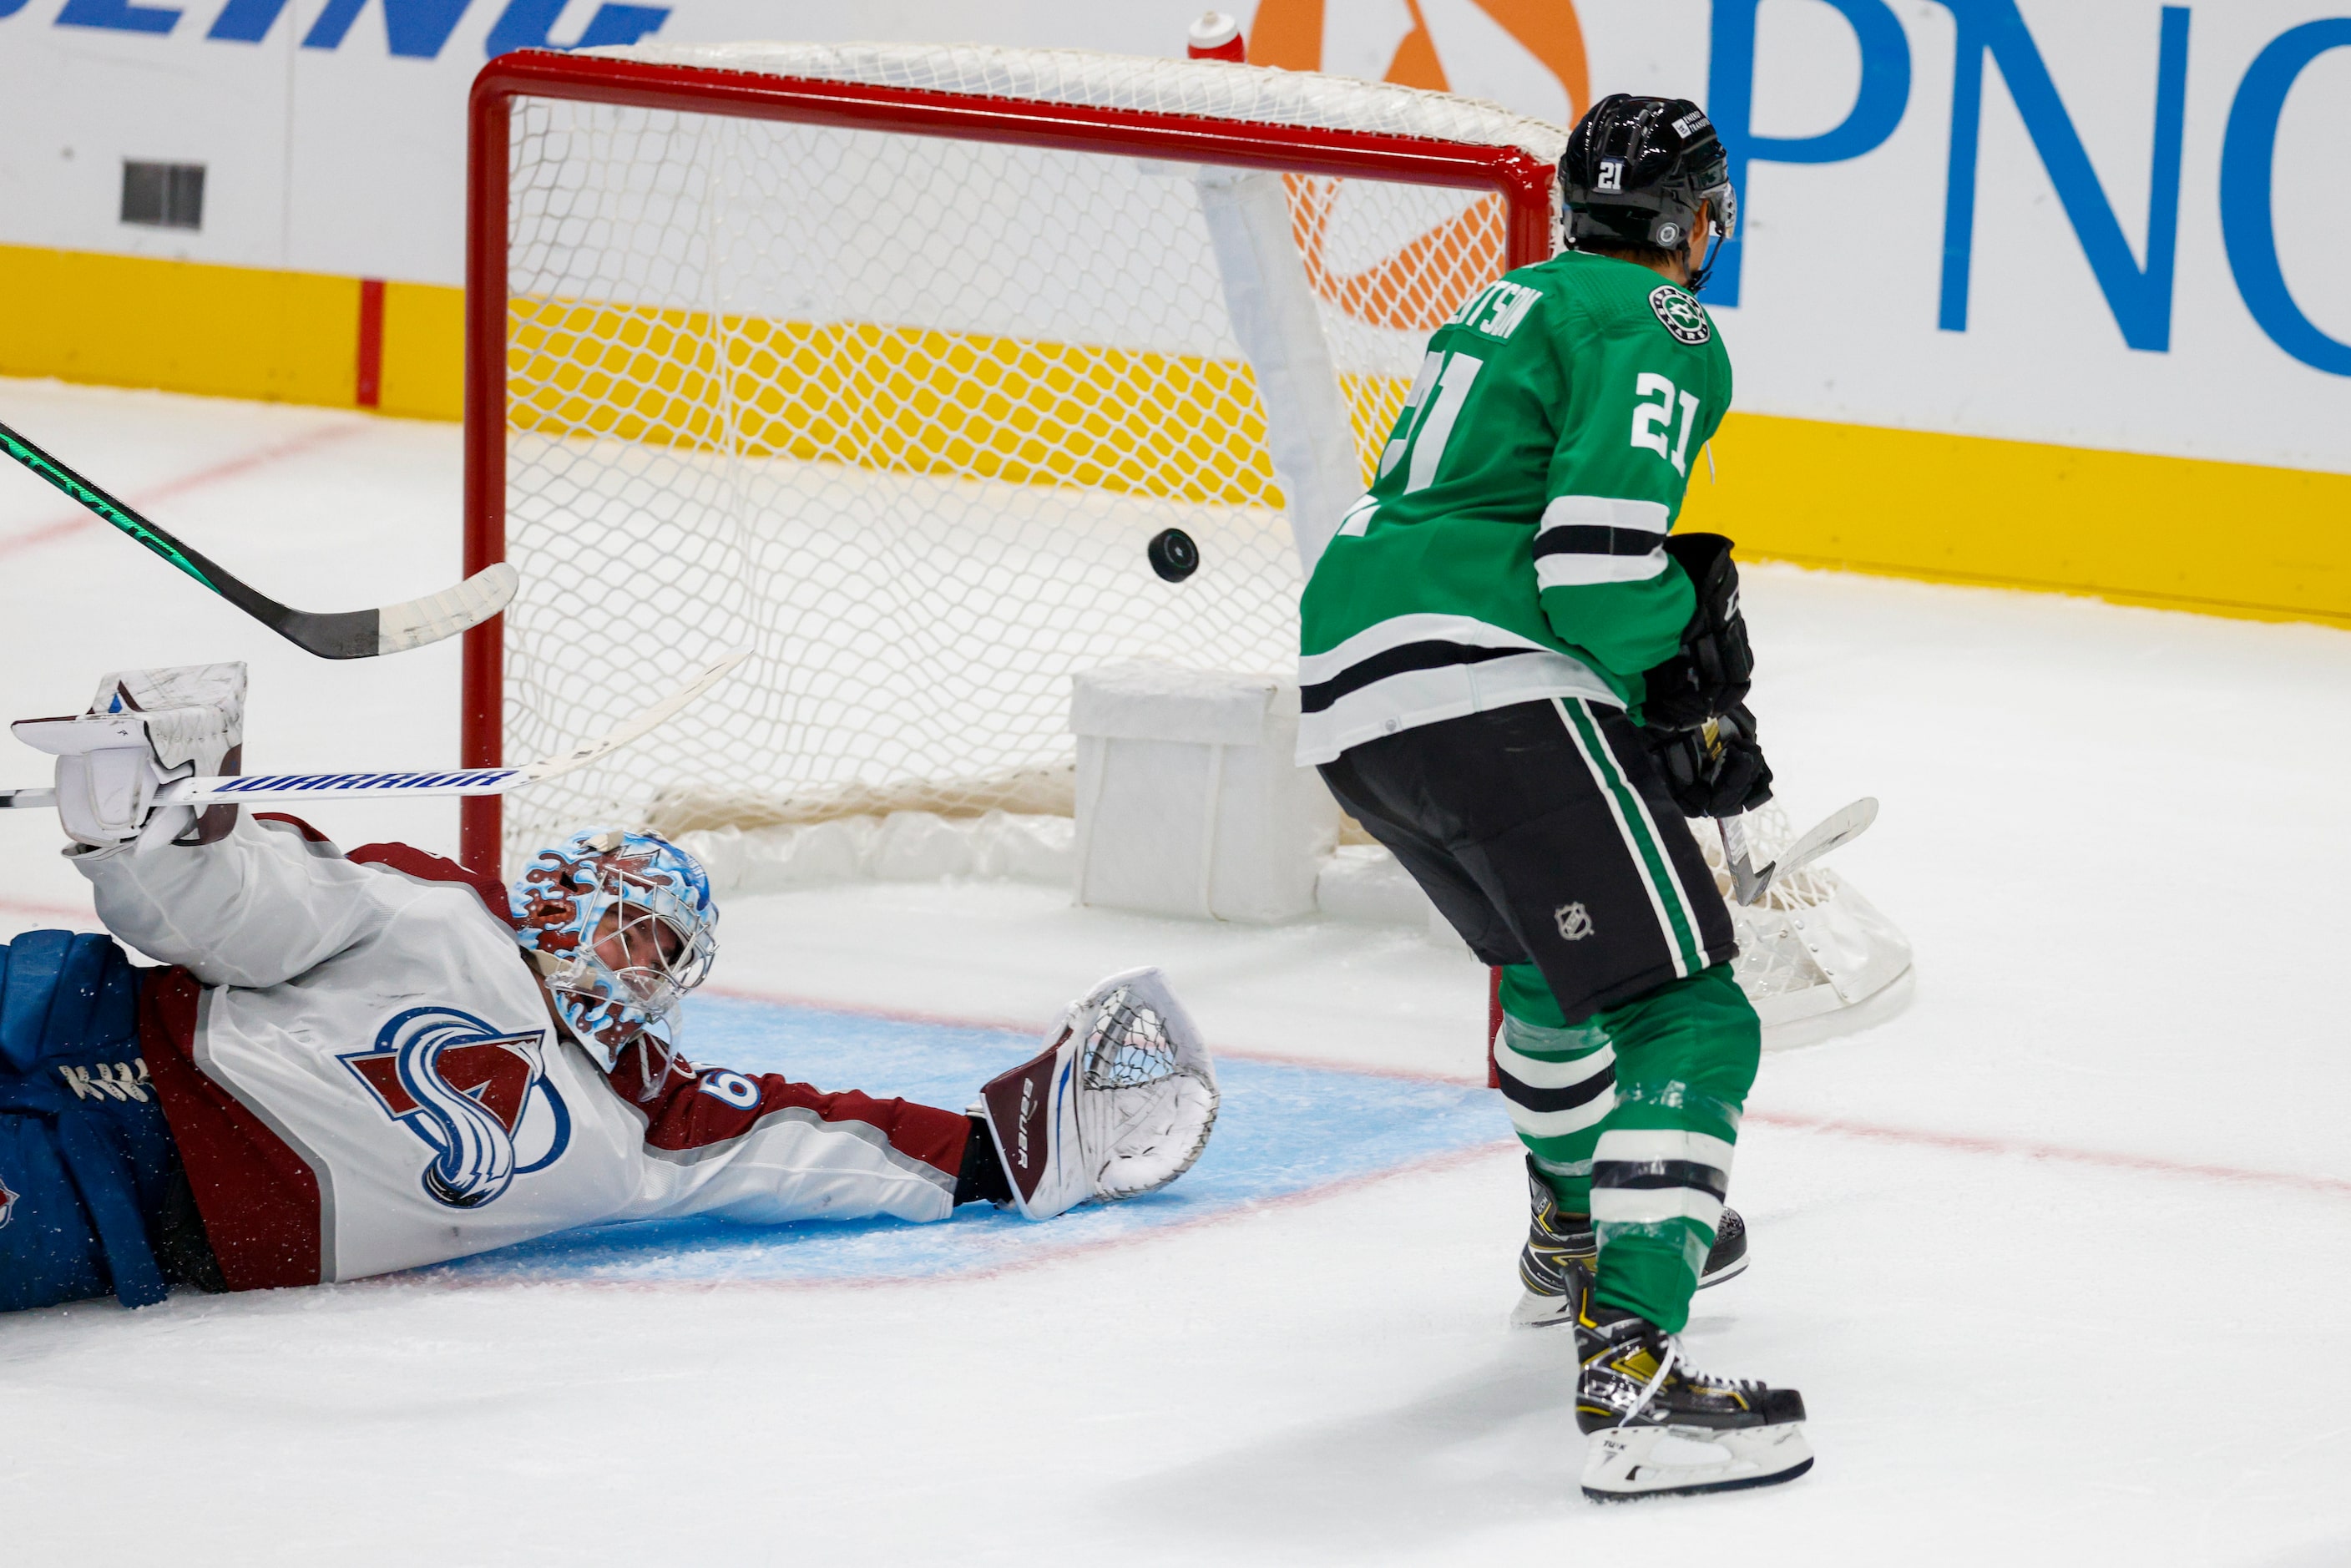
[1287, 1132]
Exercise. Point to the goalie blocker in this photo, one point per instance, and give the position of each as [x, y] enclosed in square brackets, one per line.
[1119, 1105]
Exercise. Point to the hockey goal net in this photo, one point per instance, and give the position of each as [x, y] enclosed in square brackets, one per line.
[888, 362]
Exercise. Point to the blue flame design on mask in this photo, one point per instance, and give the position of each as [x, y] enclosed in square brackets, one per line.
[564, 896]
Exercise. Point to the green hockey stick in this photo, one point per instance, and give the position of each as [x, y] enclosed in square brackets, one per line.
[334, 634]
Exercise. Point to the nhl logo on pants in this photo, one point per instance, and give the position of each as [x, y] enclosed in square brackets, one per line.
[1574, 922]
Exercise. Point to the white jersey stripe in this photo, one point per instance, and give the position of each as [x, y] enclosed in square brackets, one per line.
[1414, 697]
[1586, 570]
[1402, 630]
[1605, 511]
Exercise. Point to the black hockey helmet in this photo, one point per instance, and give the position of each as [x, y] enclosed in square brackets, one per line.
[1637, 171]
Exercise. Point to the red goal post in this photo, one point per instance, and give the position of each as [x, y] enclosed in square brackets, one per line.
[1523, 182]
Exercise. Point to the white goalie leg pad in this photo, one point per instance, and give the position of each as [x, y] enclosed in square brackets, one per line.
[1120, 1104]
[1622, 1462]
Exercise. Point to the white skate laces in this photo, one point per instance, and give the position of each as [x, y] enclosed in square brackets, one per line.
[1713, 1434]
[1665, 1369]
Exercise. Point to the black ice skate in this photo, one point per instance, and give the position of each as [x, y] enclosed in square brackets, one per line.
[1657, 1426]
[1555, 1240]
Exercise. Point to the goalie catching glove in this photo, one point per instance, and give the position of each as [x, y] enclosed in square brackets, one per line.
[1120, 1104]
[144, 730]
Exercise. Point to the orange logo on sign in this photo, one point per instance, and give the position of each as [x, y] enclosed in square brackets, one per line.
[1416, 288]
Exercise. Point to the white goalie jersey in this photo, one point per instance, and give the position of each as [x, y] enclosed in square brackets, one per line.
[366, 1042]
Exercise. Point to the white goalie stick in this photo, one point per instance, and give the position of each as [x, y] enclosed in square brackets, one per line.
[1842, 826]
[260, 787]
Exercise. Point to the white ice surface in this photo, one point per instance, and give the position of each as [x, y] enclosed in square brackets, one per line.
[2068, 1286]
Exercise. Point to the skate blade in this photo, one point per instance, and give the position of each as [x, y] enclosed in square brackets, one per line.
[1731, 1272]
[1534, 1311]
[1626, 1462]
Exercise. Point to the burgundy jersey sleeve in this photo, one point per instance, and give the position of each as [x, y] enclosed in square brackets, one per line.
[690, 1107]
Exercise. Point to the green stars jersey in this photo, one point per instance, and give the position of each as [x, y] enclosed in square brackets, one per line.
[1512, 546]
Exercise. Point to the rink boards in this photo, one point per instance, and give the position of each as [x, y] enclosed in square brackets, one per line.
[1285, 1132]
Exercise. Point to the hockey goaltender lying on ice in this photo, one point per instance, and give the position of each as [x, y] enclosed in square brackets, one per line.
[353, 1064]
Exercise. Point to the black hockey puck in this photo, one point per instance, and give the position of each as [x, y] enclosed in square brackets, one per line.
[1172, 555]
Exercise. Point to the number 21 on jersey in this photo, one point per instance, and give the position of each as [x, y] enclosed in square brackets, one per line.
[1430, 411]
[1654, 423]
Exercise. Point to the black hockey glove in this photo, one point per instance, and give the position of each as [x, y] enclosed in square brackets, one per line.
[1719, 776]
[1712, 673]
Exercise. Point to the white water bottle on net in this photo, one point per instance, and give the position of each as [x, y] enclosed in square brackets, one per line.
[889, 362]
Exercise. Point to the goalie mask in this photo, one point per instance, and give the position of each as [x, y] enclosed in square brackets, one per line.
[622, 925]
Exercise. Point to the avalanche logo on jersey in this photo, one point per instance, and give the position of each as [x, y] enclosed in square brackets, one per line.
[478, 1097]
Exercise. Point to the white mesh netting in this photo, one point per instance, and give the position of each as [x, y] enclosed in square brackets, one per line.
[1812, 946]
[1210, 89]
[901, 414]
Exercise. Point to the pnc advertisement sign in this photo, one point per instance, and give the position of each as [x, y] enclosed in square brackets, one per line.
[2099, 222]
[2006, 185]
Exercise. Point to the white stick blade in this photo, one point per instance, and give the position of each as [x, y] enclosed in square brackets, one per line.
[399, 627]
[654, 717]
[1839, 827]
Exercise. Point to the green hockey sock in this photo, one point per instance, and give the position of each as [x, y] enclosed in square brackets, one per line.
[1558, 1082]
[1684, 1057]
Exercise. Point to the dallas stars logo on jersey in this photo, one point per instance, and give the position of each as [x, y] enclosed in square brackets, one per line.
[1681, 315]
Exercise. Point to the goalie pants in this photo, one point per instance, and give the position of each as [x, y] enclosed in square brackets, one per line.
[1544, 833]
[92, 1197]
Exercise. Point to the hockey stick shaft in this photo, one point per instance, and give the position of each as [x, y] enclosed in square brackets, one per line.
[1747, 883]
[335, 635]
[256, 788]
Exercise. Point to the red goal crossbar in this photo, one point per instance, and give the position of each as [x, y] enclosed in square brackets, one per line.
[1523, 182]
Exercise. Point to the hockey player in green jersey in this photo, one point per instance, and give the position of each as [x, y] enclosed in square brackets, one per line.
[1521, 683]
